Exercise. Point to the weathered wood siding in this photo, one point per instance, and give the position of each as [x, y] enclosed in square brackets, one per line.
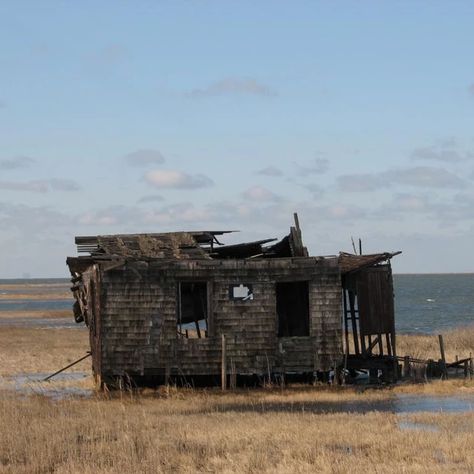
[91, 306]
[139, 317]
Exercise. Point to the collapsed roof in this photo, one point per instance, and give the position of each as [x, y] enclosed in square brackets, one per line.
[188, 245]
[351, 262]
[198, 245]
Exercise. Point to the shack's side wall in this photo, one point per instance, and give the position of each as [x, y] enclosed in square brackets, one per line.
[89, 297]
[139, 317]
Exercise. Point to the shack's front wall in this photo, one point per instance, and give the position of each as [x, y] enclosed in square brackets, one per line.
[139, 317]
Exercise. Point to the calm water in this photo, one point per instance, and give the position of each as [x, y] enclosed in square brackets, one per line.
[34, 286]
[35, 305]
[33, 281]
[423, 303]
[431, 303]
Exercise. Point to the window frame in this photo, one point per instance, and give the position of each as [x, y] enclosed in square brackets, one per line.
[208, 314]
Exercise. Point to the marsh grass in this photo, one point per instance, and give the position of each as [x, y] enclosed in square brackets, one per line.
[202, 431]
[35, 314]
[66, 295]
[281, 430]
[31, 350]
[458, 342]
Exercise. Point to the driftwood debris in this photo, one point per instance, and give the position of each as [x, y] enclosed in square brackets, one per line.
[436, 369]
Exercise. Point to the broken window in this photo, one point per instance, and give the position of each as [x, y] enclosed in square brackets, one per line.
[241, 292]
[192, 309]
[292, 303]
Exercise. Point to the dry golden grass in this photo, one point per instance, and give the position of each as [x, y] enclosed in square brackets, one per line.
[31, 296]
[35, 291]
[29, 350]
[35, 314]
[457, 342]
[38, 287]
[191, 431]
[179, 430]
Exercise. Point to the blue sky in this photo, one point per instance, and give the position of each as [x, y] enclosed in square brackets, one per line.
[156, 116]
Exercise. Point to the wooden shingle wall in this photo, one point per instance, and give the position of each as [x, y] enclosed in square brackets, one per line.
[139, 315]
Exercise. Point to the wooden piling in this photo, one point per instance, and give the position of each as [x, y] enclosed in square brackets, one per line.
[443, 357]
[471, 367]
[406, 366]
[223, 365]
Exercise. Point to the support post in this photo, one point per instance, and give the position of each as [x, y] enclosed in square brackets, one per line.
[223, 365]
[471, 367]
[354, 323]
[346, 323]
[443, 356]
[406, 366]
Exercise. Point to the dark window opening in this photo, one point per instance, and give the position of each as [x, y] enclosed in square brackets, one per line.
[192, 310]
[292, 302]
[241, 292]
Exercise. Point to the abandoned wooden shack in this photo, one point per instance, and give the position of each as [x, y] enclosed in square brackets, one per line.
[182, 305]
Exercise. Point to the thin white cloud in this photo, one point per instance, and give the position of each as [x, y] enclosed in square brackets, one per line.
[270, 171]
[424, 176]
[29, 186]
[57, 184]
[40, 186]
[234, 86]
[362, 182]
[180, 214]
[315, 189]
[144, 157]
[317, 166]
[446, 154]
[404, 204]
[107, 217]
[420, 176]
[31, 220]
[259, 194]
[151, 198]
[15, 163]
[173, 179]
